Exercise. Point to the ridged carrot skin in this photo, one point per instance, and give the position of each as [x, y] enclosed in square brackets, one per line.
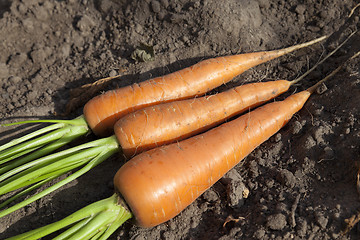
[103, 111]
[158, 184]
[178, 120]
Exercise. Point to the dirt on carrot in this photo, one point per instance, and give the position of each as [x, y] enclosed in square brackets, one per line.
[50, 47]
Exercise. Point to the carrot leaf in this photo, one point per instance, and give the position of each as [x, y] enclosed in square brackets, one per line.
[38, 172]
[42, 141]
[95, 221]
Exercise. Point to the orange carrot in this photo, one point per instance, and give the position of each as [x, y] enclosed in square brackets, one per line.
[103, 111]
[158, 184]
[145, 129]
[173, 121]
[169, 122]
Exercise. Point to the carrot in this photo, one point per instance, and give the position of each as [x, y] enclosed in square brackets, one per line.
[42, 170]
[103, 111]
[165, 123]
[156, 185]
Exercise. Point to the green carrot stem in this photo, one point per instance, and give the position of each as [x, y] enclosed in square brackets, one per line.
[105, 212]
[123, 216]
[55, 140]
[41, 141]
[17, 155]
[64, 121]
[97, 236]
[25, 191]
[30, 136]
[54, 157]
[111, 148]
[96, 224]
[42, 175]
[36, 154]
[72, 230]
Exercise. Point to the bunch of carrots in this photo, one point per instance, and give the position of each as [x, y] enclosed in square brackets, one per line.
[163, 127]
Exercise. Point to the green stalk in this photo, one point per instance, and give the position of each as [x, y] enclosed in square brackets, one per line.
[98, 235]
[52, 158]
[90, 157]
[86, 223]
[27, 190]
[30, 135]
[21, 180]
[44, 150]
[43, 141]
[72, 230]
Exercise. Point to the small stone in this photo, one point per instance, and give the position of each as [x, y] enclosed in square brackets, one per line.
[259, 234]
[287, 178]
[31, 95]
[321, 220]
[4, 70]
[113, 73]
[155, 6]
[65, 50]
[276, 221]
[310, 142]
[278, 137]
[301, 227]
[347, 130]
[28, 24]
[18, 59]
[85, 24]
[165, 3]
[236, 193]
[300, 9]
[14, 80]
[210, 195]
[296, 127]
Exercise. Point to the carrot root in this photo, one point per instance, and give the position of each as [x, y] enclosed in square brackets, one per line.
[322, 60]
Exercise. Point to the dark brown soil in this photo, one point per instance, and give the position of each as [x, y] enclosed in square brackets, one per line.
[301, 183]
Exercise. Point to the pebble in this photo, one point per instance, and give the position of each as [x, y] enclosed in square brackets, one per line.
[276, 221]
[296, 127]
[321, 220]
[155, 6]
[310, 143]
[237, 192]
[300, 9]
[301, 227]
[4, 70]
[259, 234]
[165, 3]
[65, 50]
[85, 24]
[287, 178]
[210, 195]
[113, 73]
[14, 80]
[28, 24]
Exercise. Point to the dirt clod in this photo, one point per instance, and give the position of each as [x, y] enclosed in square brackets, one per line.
[276, 221]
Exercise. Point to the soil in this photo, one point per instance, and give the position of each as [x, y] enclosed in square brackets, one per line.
[300, 184]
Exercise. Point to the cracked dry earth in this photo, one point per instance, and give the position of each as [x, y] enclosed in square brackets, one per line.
[300, 184]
